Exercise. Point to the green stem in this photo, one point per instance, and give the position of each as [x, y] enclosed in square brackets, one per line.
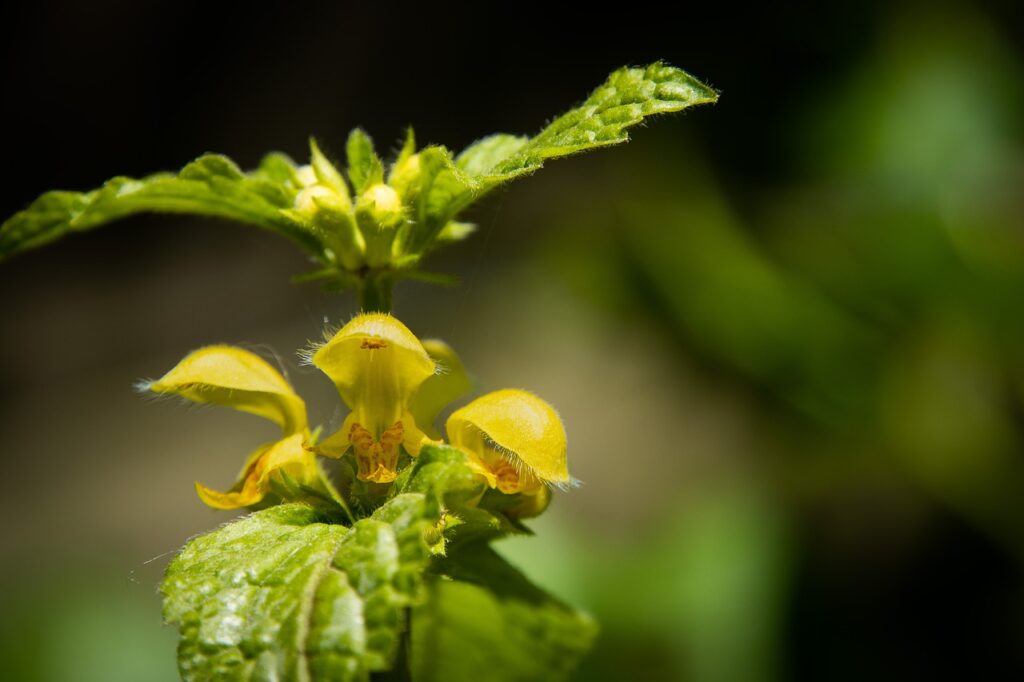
[375, 293]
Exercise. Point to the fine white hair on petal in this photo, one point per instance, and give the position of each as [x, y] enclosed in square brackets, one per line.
[520, 466]
[268, 353]
[143, 385]
[329, 331]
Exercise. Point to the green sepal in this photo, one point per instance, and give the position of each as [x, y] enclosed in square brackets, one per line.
[404, 171]
[278, 168]
[442, 473]
[444, 190]
[327, 174]
[321, 494]
[331, 278]
[364, 166]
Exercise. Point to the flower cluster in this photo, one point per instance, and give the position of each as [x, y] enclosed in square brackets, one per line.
[395, 386]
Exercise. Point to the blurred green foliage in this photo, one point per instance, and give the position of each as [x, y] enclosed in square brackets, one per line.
[871, 306]
[97, 626]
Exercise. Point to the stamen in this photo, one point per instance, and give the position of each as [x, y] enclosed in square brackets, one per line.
[377, 460]
[373, 344]
[507, 475]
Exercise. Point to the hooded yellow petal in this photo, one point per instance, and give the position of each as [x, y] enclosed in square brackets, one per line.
[232, 377]
[377, 365]
[450, 382]
[516, 435]
[375, 359]
[287, 454]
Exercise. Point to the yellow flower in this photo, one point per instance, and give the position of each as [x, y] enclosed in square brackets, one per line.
[236, 378]
[393, 388]
[516, 441]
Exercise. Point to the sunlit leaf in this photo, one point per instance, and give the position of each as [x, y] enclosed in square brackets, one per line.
[212, 185]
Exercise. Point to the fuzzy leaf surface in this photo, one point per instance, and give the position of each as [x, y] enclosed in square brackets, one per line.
[626, 99]
[212, 185]
[286, 593]
[281, 594]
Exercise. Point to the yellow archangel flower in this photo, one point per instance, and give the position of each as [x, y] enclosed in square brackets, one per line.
[394, 386]
[378, 366]
[237, 378]
[516, 441]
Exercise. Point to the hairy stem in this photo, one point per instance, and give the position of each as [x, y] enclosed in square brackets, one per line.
[375, 293]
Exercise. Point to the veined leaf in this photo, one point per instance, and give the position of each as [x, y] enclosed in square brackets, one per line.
[433, 185]
[483, 155]
[287, 594]
[629, 96]
[444, 190]
[281, 594]
[211, 185]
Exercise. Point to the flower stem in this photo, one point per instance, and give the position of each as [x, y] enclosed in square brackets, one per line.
[375, 293]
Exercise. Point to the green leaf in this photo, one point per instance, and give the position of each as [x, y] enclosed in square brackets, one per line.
[281, 594]
[212, 185]
[364, 166]
[627, 98]
[483, 620]
[289, 593]
[483, 155]
[442, 473]
[445, 189]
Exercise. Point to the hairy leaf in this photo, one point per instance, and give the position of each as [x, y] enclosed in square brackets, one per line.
[483, 155]
[211, 185]
[627, 98]
[286, 593]
[281, 594]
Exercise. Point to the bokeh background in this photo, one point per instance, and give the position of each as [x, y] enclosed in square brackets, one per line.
[786, 332]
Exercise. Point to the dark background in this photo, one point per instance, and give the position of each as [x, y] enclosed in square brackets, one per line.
[762, 498]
